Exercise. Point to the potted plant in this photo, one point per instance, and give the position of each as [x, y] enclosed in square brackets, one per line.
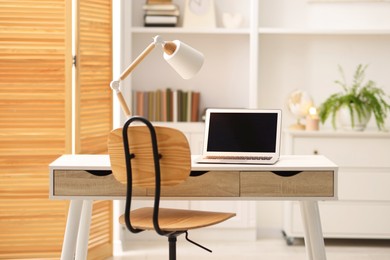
[357, 102]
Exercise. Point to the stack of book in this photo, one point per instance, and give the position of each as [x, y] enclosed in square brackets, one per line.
[167, 105]
[161, 13]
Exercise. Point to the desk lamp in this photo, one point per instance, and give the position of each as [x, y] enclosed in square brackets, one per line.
[184, 59]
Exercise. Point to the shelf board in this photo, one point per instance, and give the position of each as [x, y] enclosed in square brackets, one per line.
[262, 30]
[329, 132]
[181, 30]
[315, 31]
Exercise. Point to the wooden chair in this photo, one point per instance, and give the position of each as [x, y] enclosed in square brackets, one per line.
[154, 157]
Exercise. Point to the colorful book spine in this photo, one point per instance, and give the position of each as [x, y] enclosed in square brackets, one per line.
[167, 105]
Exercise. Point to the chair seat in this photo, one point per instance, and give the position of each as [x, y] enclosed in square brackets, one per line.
[175, 219]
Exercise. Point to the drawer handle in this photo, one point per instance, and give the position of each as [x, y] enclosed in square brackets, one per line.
[197, 173]
[315, 152]
[286, 173]
[99, 172]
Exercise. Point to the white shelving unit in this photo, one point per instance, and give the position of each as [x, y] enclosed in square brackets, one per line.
[282, 45]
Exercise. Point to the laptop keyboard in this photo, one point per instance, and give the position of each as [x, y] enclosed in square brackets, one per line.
[256, 158]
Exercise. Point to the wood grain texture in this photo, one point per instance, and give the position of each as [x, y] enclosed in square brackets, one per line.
[93, 95]
[175, 162]
[93, 104]
[35, 116]
[72, 183]
[176, 219]
[304, 184]
[82, 183]
[210, 184]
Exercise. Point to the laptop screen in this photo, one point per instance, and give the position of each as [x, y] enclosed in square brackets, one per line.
[242, 132]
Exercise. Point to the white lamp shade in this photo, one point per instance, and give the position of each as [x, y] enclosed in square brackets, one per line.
[186, 61]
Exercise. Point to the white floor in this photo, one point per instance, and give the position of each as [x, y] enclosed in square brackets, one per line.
[267, 249]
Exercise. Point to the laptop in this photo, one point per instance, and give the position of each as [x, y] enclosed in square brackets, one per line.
[242, 136]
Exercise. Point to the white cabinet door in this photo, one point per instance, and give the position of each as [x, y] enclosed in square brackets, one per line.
[363, 208]
[343, 219]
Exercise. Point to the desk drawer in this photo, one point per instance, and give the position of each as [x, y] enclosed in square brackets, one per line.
[303, 184]
[83, 183]
[209, 184]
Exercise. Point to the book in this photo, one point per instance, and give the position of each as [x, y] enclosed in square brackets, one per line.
[189, 106]
[151, 106]
[167, 105]
[175, 106]
[140, 103]
[160, 19]
[161, 13]
[160, 7]
[195, 107]
[158, 115]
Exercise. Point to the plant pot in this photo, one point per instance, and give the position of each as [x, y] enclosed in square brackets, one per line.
[345, 121]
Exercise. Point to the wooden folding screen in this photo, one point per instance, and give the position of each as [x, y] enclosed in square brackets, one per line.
[36, 127]
[94, 103]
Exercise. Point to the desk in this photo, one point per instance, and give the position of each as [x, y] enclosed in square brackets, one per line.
[307, 179]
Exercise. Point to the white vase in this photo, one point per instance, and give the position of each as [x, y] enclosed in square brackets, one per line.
[345, 121]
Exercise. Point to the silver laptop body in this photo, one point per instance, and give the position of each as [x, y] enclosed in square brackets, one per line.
[242, 136]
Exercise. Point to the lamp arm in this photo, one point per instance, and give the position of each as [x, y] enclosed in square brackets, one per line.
[137, 61]
[115, 83]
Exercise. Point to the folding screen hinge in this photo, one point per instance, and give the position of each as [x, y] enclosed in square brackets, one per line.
[74, 61]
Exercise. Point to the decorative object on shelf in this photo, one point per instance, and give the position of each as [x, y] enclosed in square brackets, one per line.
[199, 14]
[184, 59]
[299, 103]
[312, 120]
[231, 20]
[160, 13]
[356, 103]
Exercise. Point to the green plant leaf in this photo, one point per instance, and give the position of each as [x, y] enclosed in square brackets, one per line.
[361, 97]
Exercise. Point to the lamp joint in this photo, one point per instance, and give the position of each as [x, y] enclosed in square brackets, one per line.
[115, 85]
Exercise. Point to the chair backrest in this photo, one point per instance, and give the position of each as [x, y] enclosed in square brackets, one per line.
[173, 148]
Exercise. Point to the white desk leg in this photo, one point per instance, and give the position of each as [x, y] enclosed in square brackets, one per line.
[314, 240]
[71, 230]
[309, 252]
[83, 235]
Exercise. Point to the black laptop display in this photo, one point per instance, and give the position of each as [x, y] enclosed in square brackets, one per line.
[241, 136]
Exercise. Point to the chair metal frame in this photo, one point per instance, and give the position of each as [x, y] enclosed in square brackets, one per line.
[172, 236]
